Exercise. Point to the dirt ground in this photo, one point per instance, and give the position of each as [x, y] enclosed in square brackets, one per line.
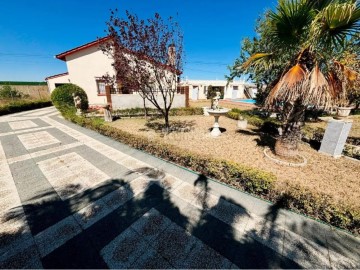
[339, 178]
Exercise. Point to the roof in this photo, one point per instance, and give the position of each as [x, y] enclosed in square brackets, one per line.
[57, 75]
[62, 56]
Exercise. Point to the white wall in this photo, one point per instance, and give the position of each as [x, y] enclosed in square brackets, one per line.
[61, 79]
[228, 89]
[128, 101]
[84, 66]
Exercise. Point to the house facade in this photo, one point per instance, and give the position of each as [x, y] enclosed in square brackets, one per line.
[198, 89]
[86, 65]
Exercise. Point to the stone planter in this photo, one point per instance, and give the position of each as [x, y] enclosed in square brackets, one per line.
[242, 124]
[343, 112]
[206, 113]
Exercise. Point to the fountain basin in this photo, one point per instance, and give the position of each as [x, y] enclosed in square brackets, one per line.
[216, 113]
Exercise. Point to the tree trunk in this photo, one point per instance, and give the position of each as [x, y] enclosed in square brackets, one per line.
[167, 123]
[145, 109]
[290, 135]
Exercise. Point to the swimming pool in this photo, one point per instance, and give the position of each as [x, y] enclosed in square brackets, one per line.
[250, 101]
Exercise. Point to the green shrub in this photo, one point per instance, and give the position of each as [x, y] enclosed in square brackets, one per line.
[23, 105]
[173, 112]
[7, 91]
[63, 95]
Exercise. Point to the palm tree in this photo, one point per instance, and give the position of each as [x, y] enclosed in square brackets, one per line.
[316, 35]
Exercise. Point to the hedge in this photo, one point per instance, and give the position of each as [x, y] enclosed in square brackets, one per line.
[173, 112]
[23, 105]
[242, 177]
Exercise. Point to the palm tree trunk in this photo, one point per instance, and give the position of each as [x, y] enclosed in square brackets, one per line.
[290, 135]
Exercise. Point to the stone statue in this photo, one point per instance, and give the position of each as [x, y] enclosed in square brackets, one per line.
[107, 114]
[216, 101]
[77, 101]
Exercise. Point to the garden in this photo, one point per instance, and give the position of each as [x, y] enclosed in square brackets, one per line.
[305, 71]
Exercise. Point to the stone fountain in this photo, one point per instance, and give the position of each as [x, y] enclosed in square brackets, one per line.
[216, 111]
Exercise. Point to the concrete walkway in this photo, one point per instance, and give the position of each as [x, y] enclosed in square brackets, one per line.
[71, 198]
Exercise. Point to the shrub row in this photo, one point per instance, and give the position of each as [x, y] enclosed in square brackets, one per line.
[173, 112]
[254, 118]
[245, 178]
[23, 105]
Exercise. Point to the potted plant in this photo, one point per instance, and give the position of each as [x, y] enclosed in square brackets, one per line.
[344, 84]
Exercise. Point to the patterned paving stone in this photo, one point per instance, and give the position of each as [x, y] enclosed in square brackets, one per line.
[124, 250]
[187, 192]
[37, 139]
[117, 198]
[139, 184]
[92, 213]
[174, 244]
[22, 124]
[151, 225]
[26, 259]
[56, 235]
[169, 182]
[204, 257]
[151, 260]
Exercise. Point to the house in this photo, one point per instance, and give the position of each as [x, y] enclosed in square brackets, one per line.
[198, 89]
[86, 66]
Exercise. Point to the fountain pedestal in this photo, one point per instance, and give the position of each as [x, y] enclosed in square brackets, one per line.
[215, 132]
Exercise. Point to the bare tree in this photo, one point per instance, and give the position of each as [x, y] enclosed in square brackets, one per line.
[147, 57]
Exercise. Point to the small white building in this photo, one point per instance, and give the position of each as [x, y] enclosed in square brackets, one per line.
[198, 89]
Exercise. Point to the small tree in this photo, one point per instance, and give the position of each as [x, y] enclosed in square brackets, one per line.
[7, 91]
[147, 57]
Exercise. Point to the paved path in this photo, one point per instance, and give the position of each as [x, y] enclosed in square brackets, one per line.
[71, 198]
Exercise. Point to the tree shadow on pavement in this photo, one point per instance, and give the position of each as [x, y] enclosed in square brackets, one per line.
[144, 216]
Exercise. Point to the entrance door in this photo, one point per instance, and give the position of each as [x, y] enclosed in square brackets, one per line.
[195, 93]
[234, 94]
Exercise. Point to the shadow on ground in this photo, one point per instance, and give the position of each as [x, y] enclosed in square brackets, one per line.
[210, 222]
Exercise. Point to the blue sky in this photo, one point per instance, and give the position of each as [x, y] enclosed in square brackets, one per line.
[33, 31]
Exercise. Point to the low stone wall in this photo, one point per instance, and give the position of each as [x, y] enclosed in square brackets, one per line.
[128, 101]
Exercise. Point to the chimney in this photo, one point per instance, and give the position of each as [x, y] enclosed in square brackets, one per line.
[171, 55]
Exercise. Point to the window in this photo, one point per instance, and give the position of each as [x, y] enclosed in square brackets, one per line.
[205, 90]
[101, 87]
[235, 87]
[59, 84]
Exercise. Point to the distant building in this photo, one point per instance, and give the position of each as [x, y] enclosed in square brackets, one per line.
[198, 89]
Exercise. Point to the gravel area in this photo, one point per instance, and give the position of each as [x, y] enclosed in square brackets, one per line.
[338, 178]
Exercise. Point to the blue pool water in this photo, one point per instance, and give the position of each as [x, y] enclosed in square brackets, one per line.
[251, 101]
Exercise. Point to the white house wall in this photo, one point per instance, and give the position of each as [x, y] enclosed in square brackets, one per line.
[61, 79]
[128, 101]
[84, 66]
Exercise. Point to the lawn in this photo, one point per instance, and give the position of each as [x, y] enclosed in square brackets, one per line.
[338, 178]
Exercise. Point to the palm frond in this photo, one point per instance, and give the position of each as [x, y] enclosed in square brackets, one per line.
[334, 23]
[290, 20]
[289, 87]
[316, 89]
[335, 85]
[258, 59]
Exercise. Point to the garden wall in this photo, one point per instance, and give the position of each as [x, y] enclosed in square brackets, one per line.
[128, 101]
